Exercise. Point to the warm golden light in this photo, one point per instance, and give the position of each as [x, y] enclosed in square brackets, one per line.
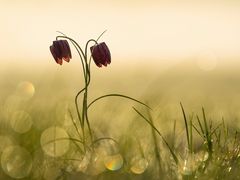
[140, 29]
[156, 97]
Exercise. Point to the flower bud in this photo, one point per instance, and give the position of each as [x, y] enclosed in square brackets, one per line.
[60, 50]
[101, 54]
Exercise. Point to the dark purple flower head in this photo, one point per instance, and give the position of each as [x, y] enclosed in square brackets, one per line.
[101, 54]
[60, 50]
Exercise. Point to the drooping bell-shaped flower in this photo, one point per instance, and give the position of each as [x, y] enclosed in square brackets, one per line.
[60, 50]
[101, 54]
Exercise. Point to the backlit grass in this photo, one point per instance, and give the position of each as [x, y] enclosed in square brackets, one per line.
[197, 139]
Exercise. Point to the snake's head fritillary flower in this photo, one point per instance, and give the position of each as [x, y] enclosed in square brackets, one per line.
[101, 54]
[60, 50]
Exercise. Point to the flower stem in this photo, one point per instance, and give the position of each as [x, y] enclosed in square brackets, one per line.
[82, 56]
[78, 48]
[87, 77]
[85, 103]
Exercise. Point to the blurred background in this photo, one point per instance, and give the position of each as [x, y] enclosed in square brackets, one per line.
[164, 52]
[137, 30]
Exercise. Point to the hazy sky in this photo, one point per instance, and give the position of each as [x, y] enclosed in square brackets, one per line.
[136, 29]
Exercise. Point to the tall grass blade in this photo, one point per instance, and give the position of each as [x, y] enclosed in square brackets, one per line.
[148, 121]
[156, 147]
[186, 125]
[200, 125]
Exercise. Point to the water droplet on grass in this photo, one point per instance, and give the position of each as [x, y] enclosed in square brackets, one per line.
[113, 162]
[54, 141]
[104, 154]
[188, 166]
[205, 157]
[84, 163]
[139, 165]
[16, 162]
[202, 156]
[92, 163]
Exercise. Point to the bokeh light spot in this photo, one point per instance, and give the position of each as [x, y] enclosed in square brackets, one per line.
[16, 162]
[55, 141]
[21, 121]
[25, 89]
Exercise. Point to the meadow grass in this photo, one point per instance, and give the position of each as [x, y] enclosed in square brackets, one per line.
[169, 141]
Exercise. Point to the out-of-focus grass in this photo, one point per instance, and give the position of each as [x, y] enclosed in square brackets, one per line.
[162, 88]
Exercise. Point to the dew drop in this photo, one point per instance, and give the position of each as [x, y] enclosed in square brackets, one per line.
[113, 162]
[92, 163]
[83, 165]
[189, 165]
[202, 156]
[139, 165]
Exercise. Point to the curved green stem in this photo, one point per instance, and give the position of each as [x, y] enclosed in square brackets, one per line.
[117, 95]
[87, 120]
[85, 110]
[73, 42]
[87, 82]
[86, 47]
[96, 41]
[86, 57]
[85, 71]
[90, 40]
[77, 47]
[76, 104]
[87, 76]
